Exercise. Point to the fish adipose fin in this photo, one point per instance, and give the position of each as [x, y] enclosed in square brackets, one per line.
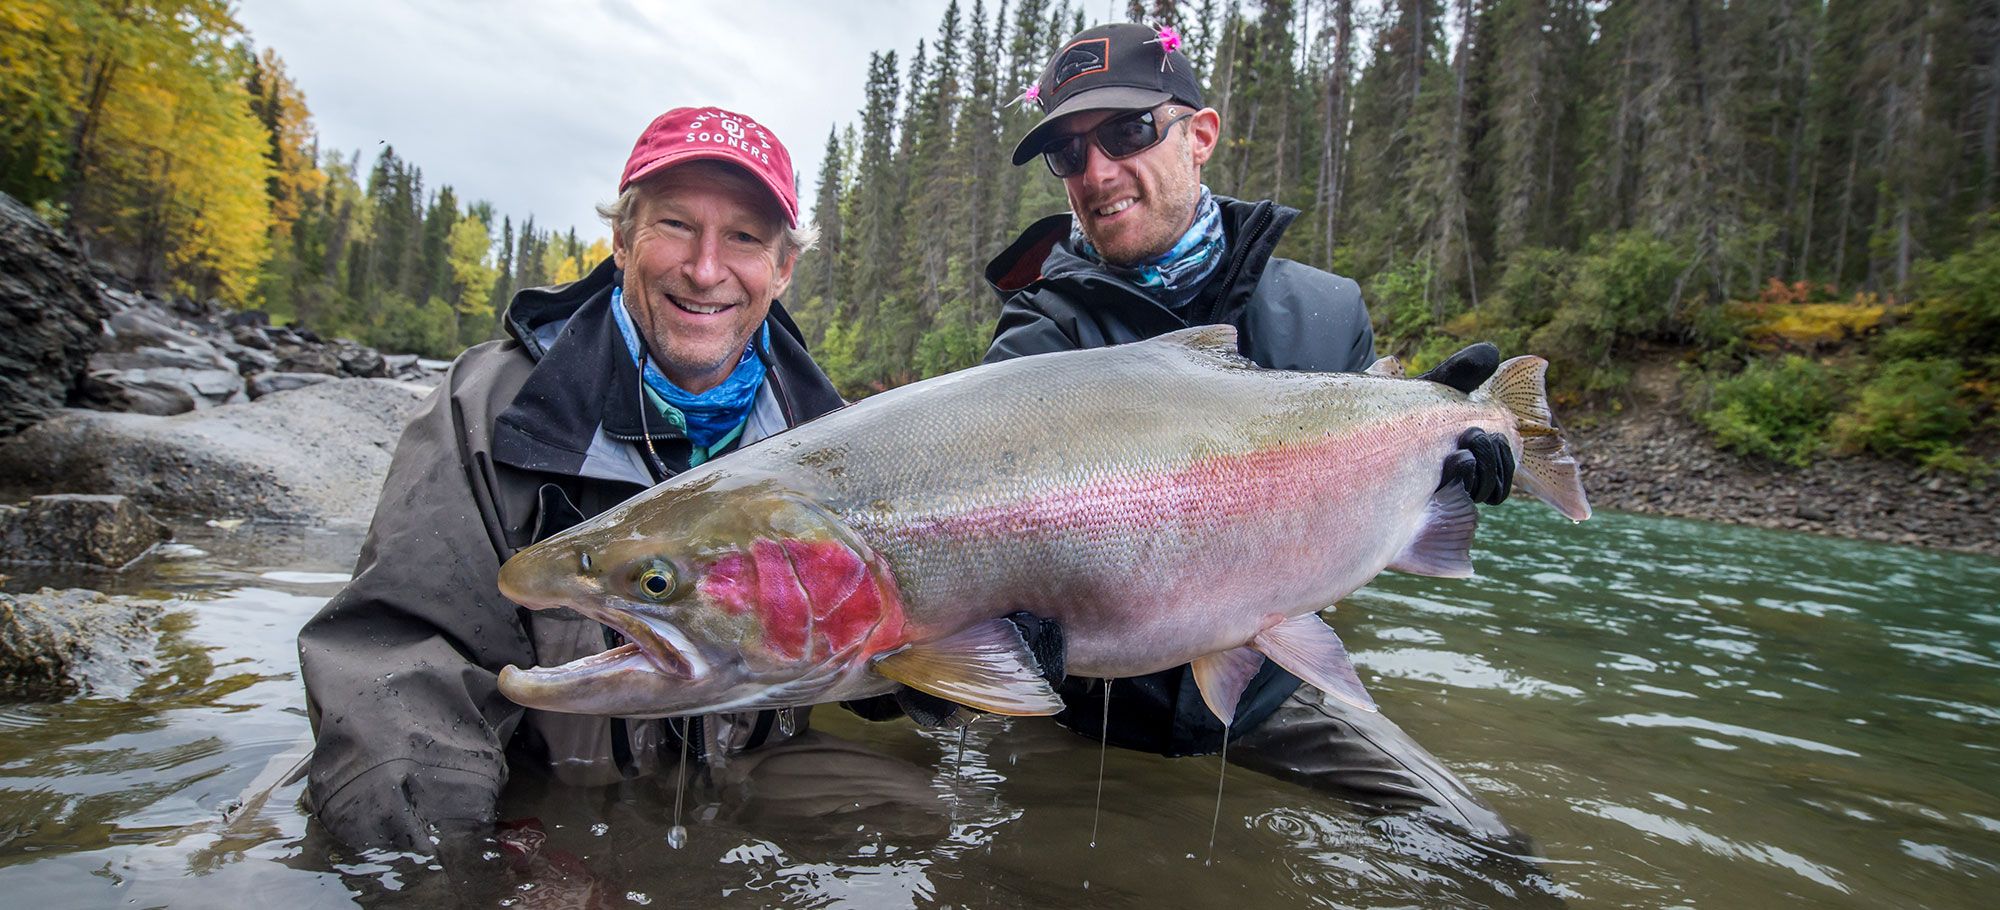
[987, 667]
[1308, 647]
[1388, 367]
[1443, 545]
[1547, 467]
[1222, 677]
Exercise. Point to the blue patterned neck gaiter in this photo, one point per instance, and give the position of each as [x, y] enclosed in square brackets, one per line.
[712, 418]
[1176, 276]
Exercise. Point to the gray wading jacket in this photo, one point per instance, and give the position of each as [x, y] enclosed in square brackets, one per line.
[1287, 315]
[523, 438]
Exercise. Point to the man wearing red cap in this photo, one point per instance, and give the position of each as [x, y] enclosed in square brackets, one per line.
[1145, 250]
[672, 352]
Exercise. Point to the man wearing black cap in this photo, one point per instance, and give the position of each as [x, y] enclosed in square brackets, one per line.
[1147, 249]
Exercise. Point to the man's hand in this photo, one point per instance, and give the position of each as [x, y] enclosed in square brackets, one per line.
[1484, 463]
[1045, 640]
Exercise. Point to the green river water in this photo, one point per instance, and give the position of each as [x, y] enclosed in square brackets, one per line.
[1682, 714]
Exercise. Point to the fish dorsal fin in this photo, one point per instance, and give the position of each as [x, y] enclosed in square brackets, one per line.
[1223, 676]
[1308, 647]
[1213, 340]
[1388, 367]
[1443, 545]
[987, 667]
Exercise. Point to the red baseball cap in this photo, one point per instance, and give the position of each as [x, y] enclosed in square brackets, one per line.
[687, 134]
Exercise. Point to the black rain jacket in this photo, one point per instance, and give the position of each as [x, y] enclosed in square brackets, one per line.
[523, 438]
[1287, 315]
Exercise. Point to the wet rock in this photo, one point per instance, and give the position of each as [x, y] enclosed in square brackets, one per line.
[301, 359]
[250, 337]
[363, 362]
[78, 529]
[251, 361]
[264, 384]
[53, 642]
[311, 454]
[163, 391]
[49, 314]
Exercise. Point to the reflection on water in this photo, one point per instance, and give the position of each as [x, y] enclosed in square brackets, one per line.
[1682, 714]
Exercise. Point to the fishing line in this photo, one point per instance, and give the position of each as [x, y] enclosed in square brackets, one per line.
[1103, 734]
[1220, 772]
[677, 836]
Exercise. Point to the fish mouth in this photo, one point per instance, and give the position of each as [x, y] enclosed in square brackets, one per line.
[651, 643]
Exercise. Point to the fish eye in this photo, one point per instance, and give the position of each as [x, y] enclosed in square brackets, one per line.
[657, 581]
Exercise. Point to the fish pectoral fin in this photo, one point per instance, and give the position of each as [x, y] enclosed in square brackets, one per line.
[987, 667]
[1222, 676]
[1443, 545]
[1308, 647]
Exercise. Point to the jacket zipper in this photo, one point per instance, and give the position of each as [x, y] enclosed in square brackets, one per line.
[1236, 268]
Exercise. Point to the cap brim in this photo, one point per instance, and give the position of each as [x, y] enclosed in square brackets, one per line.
[1108, 98]
[710, 154]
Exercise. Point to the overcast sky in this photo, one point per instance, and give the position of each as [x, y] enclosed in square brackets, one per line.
[534, 106]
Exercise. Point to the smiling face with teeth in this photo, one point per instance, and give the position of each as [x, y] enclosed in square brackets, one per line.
[1134, 208]
[703, 259]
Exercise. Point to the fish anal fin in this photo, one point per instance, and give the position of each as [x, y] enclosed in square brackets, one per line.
[1308, 648]
[987, 667]
[1222, 677]
[1443, 544]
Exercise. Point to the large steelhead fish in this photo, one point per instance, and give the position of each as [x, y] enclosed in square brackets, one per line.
[1167, 501]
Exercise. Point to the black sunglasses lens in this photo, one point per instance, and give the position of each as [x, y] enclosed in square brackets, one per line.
[1066, 158]
[1129, 136]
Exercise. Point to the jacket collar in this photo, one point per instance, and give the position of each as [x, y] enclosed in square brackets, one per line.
[1042, 256]
[582, 400]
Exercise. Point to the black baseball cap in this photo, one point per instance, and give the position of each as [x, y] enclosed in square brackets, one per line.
[1109, 68]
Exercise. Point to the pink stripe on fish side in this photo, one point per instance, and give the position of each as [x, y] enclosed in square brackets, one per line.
[1220, 490]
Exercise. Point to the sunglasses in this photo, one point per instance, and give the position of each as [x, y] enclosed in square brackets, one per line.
[1119, 137]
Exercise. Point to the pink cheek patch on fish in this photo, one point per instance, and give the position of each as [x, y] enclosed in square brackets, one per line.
[812, 599]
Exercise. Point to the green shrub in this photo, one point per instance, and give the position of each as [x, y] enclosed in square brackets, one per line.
[1622, 289]
[1911, 408]
[1399, 306]
[1958, 312]
[1775, 409]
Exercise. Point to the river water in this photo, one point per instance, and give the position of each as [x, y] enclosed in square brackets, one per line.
[1681, 714]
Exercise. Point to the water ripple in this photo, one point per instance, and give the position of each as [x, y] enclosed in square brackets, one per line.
[1749, 733]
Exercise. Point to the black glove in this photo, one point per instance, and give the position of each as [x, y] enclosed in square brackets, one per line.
[1484, 464]
[1045, 640]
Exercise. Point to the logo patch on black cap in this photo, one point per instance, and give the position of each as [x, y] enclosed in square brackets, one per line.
[1081, 59]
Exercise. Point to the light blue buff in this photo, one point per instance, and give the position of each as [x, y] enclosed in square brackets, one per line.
[712, 419]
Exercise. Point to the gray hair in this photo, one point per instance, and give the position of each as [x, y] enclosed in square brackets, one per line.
[620, 212]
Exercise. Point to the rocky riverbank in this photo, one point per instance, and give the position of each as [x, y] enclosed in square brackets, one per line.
[1648, 457]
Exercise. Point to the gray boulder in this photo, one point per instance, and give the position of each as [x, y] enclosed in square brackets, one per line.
[365, 362]
[264, 384]
[301, 359]
[77, 529]
[53, 643]
[49, 314]
[311, 454]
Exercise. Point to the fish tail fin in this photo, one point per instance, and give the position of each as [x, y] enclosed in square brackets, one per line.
[1547, 466]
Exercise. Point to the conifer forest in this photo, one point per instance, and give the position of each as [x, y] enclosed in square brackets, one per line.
[1793, 199]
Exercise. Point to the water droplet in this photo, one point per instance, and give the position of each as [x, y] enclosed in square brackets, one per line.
[599, 829]
[677, 836]
[638, 897]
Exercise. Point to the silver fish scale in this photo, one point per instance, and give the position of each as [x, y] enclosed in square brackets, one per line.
[1125, 491]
